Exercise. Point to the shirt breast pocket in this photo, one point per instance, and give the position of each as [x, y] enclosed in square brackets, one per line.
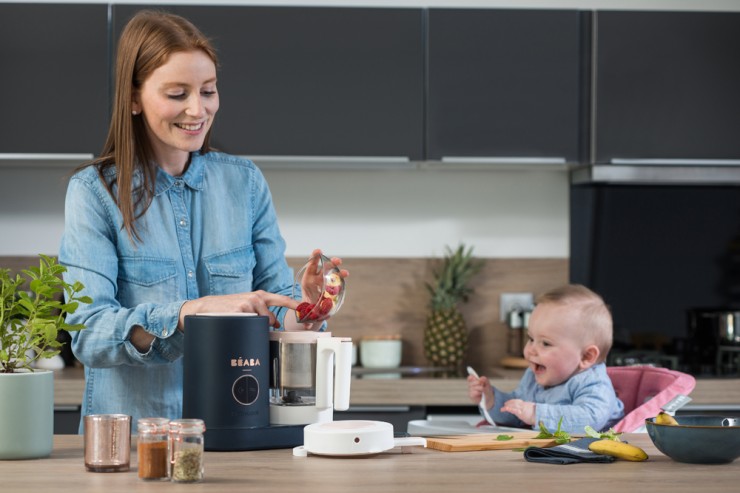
[230, 272]
[146, 280]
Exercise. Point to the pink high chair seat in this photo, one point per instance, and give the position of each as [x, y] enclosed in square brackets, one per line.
[644, 390]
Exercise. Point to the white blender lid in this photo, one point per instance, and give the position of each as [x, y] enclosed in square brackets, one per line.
[351, 437]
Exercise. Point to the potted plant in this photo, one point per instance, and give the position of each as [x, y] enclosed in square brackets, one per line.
[32, 312]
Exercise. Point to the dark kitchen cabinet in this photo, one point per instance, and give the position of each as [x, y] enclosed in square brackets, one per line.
[67, 420]
[667, 85]
[507, 83]
[314, 81]
[54, 79]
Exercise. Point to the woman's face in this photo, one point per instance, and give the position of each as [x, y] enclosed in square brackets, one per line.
[178, 102]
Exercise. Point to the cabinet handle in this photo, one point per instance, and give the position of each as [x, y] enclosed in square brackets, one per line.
[503, 160]
[332, 162]
[10, 158]
[676, 162]
[656, 175]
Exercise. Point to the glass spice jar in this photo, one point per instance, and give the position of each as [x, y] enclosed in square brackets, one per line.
[186, 450]
[152, 448]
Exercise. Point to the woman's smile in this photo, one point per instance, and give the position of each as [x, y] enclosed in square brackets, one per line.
[191, 127]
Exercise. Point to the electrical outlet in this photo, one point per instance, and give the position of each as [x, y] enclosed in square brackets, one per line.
[509, 301]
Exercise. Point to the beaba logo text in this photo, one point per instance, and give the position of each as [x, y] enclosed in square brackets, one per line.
[245, 362]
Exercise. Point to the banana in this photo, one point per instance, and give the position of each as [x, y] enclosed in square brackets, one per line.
[665, 419]
[620, 450]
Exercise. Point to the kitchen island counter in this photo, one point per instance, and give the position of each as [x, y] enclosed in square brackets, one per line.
[417, 391]
[413, 469]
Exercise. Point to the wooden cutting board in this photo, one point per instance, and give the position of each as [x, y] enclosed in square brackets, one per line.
[487, 441]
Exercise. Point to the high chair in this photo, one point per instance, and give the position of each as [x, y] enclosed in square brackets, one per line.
[644, 390]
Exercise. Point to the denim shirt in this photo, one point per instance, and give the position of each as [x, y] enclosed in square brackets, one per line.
[211, 231]
[586, 398]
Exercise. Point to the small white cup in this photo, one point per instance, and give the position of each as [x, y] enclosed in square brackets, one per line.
[381, 353]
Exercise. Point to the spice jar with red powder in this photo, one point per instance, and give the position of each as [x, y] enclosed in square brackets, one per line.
[152, 448]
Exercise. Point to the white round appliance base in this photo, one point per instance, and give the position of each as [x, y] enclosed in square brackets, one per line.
[351, 438]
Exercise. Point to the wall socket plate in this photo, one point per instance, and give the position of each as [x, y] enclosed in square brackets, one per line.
[509, 301]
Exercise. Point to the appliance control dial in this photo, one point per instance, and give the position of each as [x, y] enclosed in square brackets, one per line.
[245, 390]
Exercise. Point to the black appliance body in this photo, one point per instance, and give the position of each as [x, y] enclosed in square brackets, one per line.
[226, 379]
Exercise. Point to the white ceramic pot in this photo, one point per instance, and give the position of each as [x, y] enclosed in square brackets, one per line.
[381, 352]
[26, 414]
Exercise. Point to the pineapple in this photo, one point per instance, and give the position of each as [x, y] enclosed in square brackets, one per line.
[446, 335]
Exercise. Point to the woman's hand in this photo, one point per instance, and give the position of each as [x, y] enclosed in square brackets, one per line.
[320, 289]
[312, 282]
[258, 302]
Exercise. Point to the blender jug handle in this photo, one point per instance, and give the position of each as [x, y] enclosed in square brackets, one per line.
[333, 352]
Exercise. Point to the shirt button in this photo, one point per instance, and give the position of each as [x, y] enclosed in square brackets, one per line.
[164, 332]
[178, 183]
[183, 222]
[190, 273]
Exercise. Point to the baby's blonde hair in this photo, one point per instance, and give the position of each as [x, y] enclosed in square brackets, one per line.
[595, 325]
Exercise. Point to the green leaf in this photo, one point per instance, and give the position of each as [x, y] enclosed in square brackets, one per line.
[544, 432]
[27, 306]
[562, 438]
[32, 320]
[591, 432]
[607, 435]
[559, 435]
[74, 327]
[503, 438]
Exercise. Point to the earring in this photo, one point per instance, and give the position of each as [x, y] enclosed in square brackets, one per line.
[134, 113]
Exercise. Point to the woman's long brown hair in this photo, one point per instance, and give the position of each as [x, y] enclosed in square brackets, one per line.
[146, 43]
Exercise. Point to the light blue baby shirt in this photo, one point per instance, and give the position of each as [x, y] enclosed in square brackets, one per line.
[586, 398]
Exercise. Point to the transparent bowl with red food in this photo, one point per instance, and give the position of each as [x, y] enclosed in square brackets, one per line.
[322, 290]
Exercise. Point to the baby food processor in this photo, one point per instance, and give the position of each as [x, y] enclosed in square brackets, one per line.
[310, 376]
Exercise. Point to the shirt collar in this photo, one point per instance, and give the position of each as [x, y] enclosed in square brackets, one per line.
[193, 176]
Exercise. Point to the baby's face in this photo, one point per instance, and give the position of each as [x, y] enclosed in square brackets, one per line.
[554, 349]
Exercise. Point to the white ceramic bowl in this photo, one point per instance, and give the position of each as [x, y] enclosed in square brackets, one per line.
[381, 352]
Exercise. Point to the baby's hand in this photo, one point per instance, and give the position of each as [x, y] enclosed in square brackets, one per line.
[525, 411]
[476, 388]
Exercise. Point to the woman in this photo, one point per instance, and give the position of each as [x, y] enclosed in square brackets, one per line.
[160, 226]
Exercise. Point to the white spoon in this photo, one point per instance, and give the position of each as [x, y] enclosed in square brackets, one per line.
[482, 404]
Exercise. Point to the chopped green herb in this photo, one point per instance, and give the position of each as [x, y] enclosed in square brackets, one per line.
[608, 435]
[503, 438]
[559, 435]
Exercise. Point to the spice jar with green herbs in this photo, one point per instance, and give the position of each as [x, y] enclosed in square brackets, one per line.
[152, 448]
[186, 450]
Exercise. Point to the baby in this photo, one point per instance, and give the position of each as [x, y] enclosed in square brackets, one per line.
[570, 334]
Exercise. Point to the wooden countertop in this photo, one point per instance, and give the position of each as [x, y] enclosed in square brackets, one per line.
[69, 385]
[413, 469]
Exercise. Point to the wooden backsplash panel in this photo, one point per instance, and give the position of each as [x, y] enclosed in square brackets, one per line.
[388, 296]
